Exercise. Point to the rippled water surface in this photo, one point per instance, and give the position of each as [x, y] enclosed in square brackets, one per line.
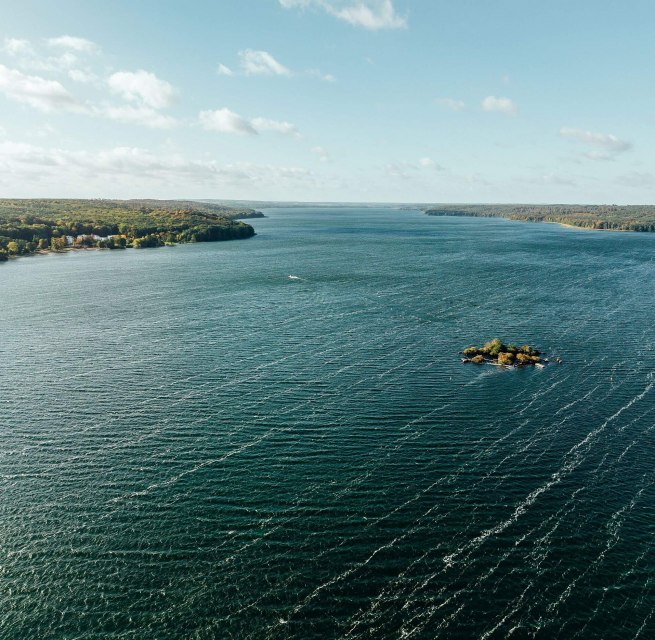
[194, 445]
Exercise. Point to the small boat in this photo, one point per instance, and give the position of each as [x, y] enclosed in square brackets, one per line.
[538, 364]
[294, 277]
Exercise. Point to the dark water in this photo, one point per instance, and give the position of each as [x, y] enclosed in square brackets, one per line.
[192, 445]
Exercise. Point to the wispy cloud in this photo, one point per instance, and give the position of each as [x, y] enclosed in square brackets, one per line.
[224, 70]
[81, 45]
[40, 93]
[142, 86]
[133, 166]
[261, 63]
[227, 121]
[322, 153]
[266, 124]
[369, 14]
[254, 62]
[408, 170]
[141, 115]
[604, 146]
[69, 53]
[500, 105]
[451, 103]
[428, 163]
[317, 73]
[80, 75]
[17, 46]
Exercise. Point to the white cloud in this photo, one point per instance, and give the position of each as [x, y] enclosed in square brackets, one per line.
[224, 71]
[369, 14]
[429, 163]
[501, 105]
[606, 145]
[451, 103]
[141, 115]
[322, 154]
[316, 73]
[408, 170]
[142, 86]
[80, 75]
[261, 63]
[265, 124]
[132, 167]
[17, 46]
[82, 45]
[226, 121]
[56, 63]
[18, 153]
[46, 95]
[70, 51]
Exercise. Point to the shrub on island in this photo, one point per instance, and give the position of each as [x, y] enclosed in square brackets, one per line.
[506, 358]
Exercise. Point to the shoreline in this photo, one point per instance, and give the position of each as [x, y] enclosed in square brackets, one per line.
[49, 252]
[575, 226]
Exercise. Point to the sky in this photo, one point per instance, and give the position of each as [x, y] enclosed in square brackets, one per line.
[329, 100]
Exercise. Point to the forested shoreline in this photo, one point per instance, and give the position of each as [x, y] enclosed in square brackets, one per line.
[30, 226]
[600, 217]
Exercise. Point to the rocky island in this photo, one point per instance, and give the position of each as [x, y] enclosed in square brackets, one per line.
[497, 353]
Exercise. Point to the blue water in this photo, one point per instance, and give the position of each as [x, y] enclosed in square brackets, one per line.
[193, 445]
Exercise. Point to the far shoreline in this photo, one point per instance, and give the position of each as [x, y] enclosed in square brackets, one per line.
[635, 218]
[575, 226]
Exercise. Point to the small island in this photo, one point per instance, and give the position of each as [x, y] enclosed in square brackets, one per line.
[497, 353]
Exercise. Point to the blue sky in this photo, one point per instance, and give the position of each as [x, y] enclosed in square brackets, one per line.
[329, 100]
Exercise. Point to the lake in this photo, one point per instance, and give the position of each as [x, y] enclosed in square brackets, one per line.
[194, 445]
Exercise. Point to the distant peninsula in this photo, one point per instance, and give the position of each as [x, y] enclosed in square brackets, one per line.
[498, 353]
[38, 226]
[598, 217]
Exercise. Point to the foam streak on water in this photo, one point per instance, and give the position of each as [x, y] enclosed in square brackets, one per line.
[195, 444]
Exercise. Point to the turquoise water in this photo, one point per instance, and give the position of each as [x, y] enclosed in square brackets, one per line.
[194, 445]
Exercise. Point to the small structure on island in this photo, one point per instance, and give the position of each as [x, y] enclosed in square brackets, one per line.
[497, 353]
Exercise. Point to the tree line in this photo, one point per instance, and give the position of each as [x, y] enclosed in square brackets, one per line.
[614, 217]
[28, 226]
